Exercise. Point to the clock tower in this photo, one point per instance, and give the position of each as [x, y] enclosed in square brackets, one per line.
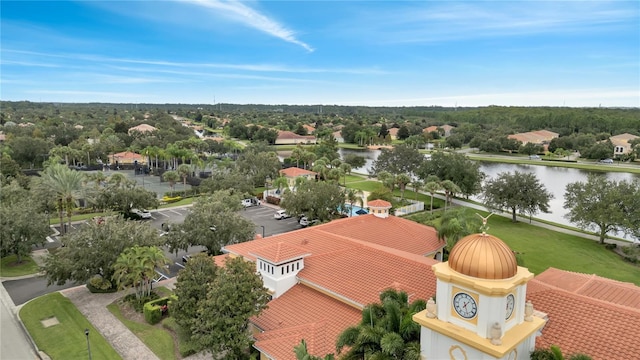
[480, 310]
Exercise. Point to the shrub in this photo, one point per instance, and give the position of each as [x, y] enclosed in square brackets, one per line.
[610, 246]
[138, 304]
[153, 310]
[98, 284]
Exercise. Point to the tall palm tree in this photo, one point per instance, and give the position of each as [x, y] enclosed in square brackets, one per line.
[456, 224]
[280, 183]
[298, 154]
[386, 330]
[184, 170]
[66, 186]
[417, 187]
[432, 187]
[450, 190]
[402, 180]
[172, 177]
[346, 170]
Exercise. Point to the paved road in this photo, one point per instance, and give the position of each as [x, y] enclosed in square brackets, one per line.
[23, 290]
[14, 342]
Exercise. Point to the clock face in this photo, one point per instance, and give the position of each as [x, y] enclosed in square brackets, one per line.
[511, 301]
[465, 305]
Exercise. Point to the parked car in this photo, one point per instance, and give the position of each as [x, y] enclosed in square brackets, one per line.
[281, 214]
[606, 161]
[304, 221]
[534, 157]
[142, 213]
[250, 202]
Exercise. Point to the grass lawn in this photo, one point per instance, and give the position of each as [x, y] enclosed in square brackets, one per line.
[10, 268]
[65, 340]
[154, 336]
[352, 178]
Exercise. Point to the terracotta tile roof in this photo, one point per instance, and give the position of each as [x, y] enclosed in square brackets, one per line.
[357, 274]
[126, 155]
[579, 324]
[379, 203]
[536, 137]
[393, 131]
[279, 253]
[430, 129]
[309, 128]
[295, 172]
[394, 232]
[593, 286]
[622, 139]
[220, 260]
[303, 313]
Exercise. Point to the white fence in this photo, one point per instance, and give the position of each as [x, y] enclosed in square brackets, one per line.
[415, 206]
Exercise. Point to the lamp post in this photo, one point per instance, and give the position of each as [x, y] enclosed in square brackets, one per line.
[86, 333]
[262, 226]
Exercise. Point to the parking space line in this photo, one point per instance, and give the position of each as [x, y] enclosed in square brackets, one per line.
[178, 264]
[175, 212]
[163, 214]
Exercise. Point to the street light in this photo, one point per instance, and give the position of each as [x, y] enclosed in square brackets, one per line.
[86, 332]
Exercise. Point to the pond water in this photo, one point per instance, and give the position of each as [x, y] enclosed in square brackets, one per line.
[555, 179]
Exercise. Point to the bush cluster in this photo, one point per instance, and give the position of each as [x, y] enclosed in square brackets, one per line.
[153, 310]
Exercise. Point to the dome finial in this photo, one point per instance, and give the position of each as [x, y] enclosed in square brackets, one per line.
[484, 226]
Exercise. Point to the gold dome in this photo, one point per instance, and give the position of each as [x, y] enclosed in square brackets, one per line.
[483, 256]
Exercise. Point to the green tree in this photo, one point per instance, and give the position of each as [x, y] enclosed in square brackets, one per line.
[597, 203]
[531, 149]
[401, 160]
[235, 295]
[65, 186]
[94, 248]
[402, 180]
[386, 330]
[315, 199]
[258, 165]
[136, 267]
[518, 192]
[199, 270]
[354, 196]
[356, 161]
[455, 167]
[214, 222]
[22, 227]
[226, 179]
[450, 190]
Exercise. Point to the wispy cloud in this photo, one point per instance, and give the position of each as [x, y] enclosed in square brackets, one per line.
[444, 21]
[250, 17]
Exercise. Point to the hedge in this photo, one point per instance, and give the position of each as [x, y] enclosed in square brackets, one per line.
[153, 310]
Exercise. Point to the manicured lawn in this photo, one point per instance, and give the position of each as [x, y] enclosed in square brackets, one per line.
[541, 248]
[10, 268]
[187, 201]
[65, 340]
[368, 185]
[352, 178]
[155, 337]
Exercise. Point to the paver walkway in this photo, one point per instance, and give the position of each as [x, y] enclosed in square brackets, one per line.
[94, 308]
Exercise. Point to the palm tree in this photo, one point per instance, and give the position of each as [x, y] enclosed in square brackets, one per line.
[346, 170]
[450, 190]
[280, 183]
[387, 179]
[184, 170]
[386, 330]
[417, 187]
[298, 154]
[66, 186]
[172, 177]
[136, 267]
[402, 180]
[354, 196]
[302, 353]
[432, 187]
[456, 224]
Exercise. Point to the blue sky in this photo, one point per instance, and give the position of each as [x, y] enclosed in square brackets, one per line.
[376, 53]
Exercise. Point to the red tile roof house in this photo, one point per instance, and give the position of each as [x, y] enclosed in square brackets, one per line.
[291, 138]
[142, 128]
[622, 143]
[539, 137]
[127, 157]
[321, 278]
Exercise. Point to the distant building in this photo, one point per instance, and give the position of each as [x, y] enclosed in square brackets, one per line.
[127, 157]
[338, 136]
[393, 133]
[622, 143]
[293, 173]
[446, 129]
[539, 137]
[291, 138]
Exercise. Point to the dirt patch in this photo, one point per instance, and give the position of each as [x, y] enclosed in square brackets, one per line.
[50, 322]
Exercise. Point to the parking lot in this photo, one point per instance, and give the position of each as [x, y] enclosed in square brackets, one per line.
[262, 216]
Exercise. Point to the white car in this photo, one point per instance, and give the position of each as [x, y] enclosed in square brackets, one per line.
[250, 202]
[144, 214]
[304, 221]
[281, 214]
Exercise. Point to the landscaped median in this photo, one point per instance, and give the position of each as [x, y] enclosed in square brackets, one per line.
[58, 329]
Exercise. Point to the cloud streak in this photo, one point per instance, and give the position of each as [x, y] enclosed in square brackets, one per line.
[247, 16]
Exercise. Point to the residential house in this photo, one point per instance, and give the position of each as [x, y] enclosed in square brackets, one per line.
[293, 173]
[127, 158]
[291, 138]
[393, 133]
[446, 129]
[321, 278]
[338, 136]
[622, 143]
[539, 137]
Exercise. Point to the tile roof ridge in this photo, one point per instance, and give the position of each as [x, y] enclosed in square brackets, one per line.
[589, 277]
